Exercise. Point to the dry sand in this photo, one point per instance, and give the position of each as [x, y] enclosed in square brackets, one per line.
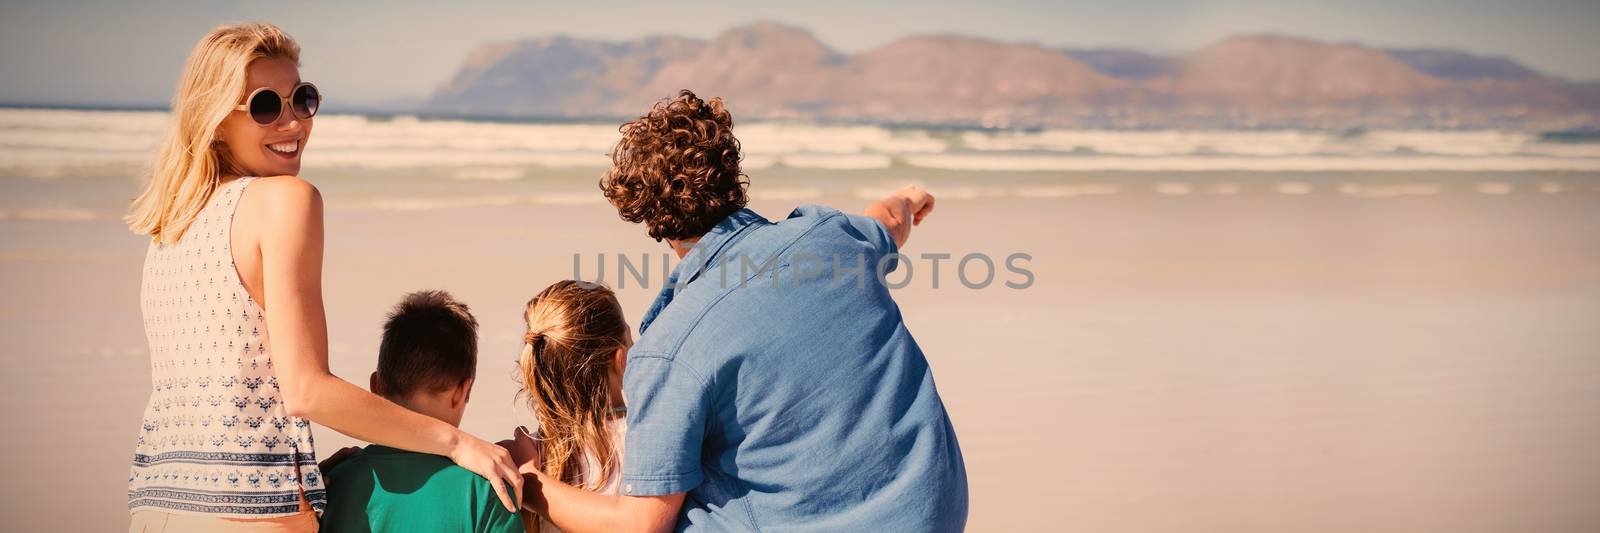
[1189, 358]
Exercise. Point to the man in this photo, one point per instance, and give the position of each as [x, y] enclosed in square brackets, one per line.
[426, 363]
[774, 385]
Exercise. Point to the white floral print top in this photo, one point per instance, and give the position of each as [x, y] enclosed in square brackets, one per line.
[216, 439]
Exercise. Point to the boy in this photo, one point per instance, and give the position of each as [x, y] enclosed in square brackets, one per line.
[426, 363]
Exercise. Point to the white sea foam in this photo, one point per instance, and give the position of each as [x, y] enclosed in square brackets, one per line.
[429, 203]
[572, 198]
[769, 139]
[836, 162]
[992, 162]
[45, 138]
[59, 159]
[489, 173]
[1459, 143]
[337, 132]
[1276, 143]
[49, 213]
[376, 158]
[757, 162]
[45, 143]
[420, 203]
[1150, 143]
[802, 193]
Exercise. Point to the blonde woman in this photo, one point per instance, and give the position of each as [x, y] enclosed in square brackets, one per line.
[232, 303]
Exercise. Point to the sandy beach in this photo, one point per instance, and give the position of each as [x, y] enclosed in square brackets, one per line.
[1193, 267]
[1199, 352]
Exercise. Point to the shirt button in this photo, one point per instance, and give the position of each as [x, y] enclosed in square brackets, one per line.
[628, 489]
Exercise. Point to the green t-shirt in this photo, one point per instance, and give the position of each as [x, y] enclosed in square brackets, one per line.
[383, 489]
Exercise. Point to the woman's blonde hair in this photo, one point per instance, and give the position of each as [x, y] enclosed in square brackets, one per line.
[192, 160]
[574, 331]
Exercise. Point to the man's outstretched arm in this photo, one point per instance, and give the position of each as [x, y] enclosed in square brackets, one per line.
[900, 211]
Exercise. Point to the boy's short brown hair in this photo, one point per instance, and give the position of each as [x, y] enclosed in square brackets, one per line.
[676, 168]
[430, 343]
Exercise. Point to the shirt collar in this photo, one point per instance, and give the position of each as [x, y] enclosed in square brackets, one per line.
[702, 255]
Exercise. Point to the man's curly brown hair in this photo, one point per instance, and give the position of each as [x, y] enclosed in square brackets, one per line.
[676, 168]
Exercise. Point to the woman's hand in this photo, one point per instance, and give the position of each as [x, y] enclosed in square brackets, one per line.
[525, 451]
[493, 463]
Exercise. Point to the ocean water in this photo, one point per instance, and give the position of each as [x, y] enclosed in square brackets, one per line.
[55, 142]
[409, 163]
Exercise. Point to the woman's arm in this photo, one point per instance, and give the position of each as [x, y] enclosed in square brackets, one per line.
[289, 222]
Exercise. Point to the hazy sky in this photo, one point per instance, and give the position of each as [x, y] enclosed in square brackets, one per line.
[377, 53]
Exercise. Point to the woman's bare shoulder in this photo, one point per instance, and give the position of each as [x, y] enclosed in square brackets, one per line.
[279, 203]
[282, 196]
[289, 189]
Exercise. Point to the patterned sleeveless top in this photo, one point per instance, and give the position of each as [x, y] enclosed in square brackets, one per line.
[216, 439]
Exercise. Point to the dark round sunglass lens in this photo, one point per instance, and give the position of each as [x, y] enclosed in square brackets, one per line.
[265, 107]
[306, 101]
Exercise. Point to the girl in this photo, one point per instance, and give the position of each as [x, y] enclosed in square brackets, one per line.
[571, 368]
[232, 303]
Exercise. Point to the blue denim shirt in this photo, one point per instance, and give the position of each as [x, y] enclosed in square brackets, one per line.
[791, 396]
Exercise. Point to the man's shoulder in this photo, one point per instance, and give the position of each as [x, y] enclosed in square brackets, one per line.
[812, 211]
[753, 259]
[772, 236]
[832, 234]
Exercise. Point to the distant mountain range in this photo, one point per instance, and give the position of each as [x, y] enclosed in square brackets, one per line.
[772, 71]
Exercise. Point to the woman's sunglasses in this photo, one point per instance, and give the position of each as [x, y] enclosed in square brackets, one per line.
[266, 105]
